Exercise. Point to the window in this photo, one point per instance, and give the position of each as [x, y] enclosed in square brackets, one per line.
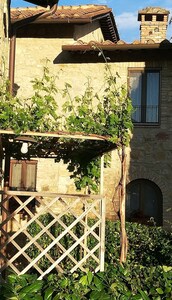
[23, 175]
[160, 18]
[144, 202]
[148, 17]
[144, 89]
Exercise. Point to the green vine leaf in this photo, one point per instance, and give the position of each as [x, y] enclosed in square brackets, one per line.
[107, 113]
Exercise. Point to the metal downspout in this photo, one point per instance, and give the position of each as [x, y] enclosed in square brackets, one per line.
[13, 40]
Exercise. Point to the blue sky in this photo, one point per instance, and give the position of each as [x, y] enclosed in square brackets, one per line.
[125, 12]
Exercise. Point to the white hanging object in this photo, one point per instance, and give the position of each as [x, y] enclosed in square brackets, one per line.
[24, 148]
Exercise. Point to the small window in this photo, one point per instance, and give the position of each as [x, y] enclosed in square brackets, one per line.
[148, 17]
[144, 90]
[160, 18]
[23, 175]
[144, 202]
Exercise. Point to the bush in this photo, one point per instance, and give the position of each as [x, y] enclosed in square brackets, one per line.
[117, 282]
[147, 274]
[147, 246]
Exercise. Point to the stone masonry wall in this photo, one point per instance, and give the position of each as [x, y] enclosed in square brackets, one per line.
[150, 153]
[148, 32]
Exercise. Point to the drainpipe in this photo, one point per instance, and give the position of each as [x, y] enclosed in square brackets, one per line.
[14, 28]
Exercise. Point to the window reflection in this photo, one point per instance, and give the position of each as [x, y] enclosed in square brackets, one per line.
[144, 88]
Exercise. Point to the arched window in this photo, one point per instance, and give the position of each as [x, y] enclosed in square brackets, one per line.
[144, 202]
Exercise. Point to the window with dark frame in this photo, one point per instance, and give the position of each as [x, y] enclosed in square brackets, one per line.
[23, 175]
[144, 90]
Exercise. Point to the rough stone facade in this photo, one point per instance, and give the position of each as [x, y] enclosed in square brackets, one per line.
[151, 147]
[150, 151]
[153, 26]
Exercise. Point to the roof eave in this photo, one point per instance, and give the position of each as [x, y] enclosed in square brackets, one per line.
[106, 19]
[114, 47]
[43, 3]
[109, 28]
[60, 21]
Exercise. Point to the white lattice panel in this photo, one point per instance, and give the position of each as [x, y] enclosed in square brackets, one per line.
[50, 232]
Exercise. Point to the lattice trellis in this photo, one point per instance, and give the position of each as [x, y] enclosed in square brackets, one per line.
[47, 232]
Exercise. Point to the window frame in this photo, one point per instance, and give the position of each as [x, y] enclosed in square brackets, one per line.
[24, 164]
[144, 71]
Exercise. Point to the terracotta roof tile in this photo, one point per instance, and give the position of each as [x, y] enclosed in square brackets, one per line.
[109, 46]
[71, 14]
[121, 42]
[136, 42]
[93, 43]
[63, 12]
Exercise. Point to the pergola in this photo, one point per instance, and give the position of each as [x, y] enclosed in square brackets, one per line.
[16, 239]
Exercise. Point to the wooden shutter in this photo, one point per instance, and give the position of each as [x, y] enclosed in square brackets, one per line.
[23, 175]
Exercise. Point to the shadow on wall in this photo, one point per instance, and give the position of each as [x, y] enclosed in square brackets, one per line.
[77, 57]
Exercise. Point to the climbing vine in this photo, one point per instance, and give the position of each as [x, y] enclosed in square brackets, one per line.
[37, 113]
[107, 113]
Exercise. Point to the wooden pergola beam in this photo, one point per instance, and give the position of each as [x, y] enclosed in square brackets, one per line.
[59, 134]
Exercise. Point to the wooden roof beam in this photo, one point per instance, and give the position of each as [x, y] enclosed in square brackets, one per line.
[59, 134]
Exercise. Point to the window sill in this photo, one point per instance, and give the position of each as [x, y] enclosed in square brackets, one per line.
[146, 125]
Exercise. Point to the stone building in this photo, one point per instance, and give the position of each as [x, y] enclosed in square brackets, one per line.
[66, 39]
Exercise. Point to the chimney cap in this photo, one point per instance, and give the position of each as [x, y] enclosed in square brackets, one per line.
[152, 10]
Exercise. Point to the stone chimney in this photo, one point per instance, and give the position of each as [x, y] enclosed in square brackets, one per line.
[154, 21]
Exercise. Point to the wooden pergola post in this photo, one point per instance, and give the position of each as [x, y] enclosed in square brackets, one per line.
[5, 206]
[122, 196]
[103, 214]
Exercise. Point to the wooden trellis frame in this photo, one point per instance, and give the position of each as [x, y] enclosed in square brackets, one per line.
[93, 205]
